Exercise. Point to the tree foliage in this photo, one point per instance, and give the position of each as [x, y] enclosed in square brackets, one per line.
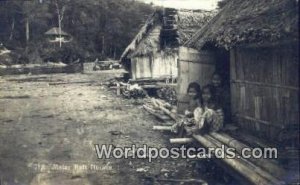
[222, 3]
[100, 28]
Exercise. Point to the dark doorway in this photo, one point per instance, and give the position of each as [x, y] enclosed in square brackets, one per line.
[222, 69]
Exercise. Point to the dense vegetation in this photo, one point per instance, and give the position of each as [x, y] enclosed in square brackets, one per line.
[100, 28]
[222, 3]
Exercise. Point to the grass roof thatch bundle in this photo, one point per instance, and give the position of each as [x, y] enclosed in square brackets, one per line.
[189, 22]
[148, 45]
[55, 31]
[148, 40]
[137, 39]
[250, 21]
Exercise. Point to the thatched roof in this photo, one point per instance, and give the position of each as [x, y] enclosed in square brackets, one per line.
[55, 31]
[189, 22]
[138, 38]
[250, 21]
[148, 41]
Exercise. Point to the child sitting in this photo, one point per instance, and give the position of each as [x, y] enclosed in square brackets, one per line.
[208, 116]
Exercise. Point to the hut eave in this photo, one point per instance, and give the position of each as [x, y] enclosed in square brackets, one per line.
[245, 21]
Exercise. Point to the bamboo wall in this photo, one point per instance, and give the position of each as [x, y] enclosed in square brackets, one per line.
[265, 88]
[159, 65]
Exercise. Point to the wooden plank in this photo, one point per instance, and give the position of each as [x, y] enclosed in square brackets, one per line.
[133, 68]
[239, 146]
[192, 55]
[242, 98]
[233, 64]
[257, 107]
[281, 43]
[201, 73]
[234, 98]
[194, 67]
[250, 164]
[239, 167]
[239, 65]
[260, 121]
[160, 84]
[195, 72]
[266, 85]
[138, 67]
[145, 67]
[183, 79]
[162, 128]
[181, 140]
[257, 111]
[164, 65]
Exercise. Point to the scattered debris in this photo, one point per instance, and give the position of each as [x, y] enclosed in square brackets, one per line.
[34, 69]
[65, 83]
[8, 121]
[161, 109]
[198, 181]
[143, 88]
[145, 169]
[115, 132]
[104, 97]
[15, 97]
[48, 116]
[29, 79]
[106, 65]
[168, 94]
[163, 170]
[134, 91]
[230, 127]
[157, 113]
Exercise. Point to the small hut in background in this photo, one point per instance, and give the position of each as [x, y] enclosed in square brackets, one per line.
[153, 53]
[57, 36]
[258, 42]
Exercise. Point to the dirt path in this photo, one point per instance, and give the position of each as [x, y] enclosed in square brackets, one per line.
[49, 128]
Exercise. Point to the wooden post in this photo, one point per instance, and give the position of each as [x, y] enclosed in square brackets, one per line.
[60, 16]
[103, 45]
[27, 30]
[12, 29]
[118, 89]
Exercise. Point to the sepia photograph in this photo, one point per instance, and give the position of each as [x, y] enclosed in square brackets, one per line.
[149, 92]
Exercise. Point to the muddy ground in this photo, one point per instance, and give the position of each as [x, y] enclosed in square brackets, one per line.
[50, 123]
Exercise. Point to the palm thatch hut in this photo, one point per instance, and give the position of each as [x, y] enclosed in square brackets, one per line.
[57, 35]
[153, 53]
[258, 41]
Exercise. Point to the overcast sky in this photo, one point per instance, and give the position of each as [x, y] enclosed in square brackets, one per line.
[187, 4]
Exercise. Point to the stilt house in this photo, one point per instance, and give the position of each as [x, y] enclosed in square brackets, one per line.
[153, 53]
